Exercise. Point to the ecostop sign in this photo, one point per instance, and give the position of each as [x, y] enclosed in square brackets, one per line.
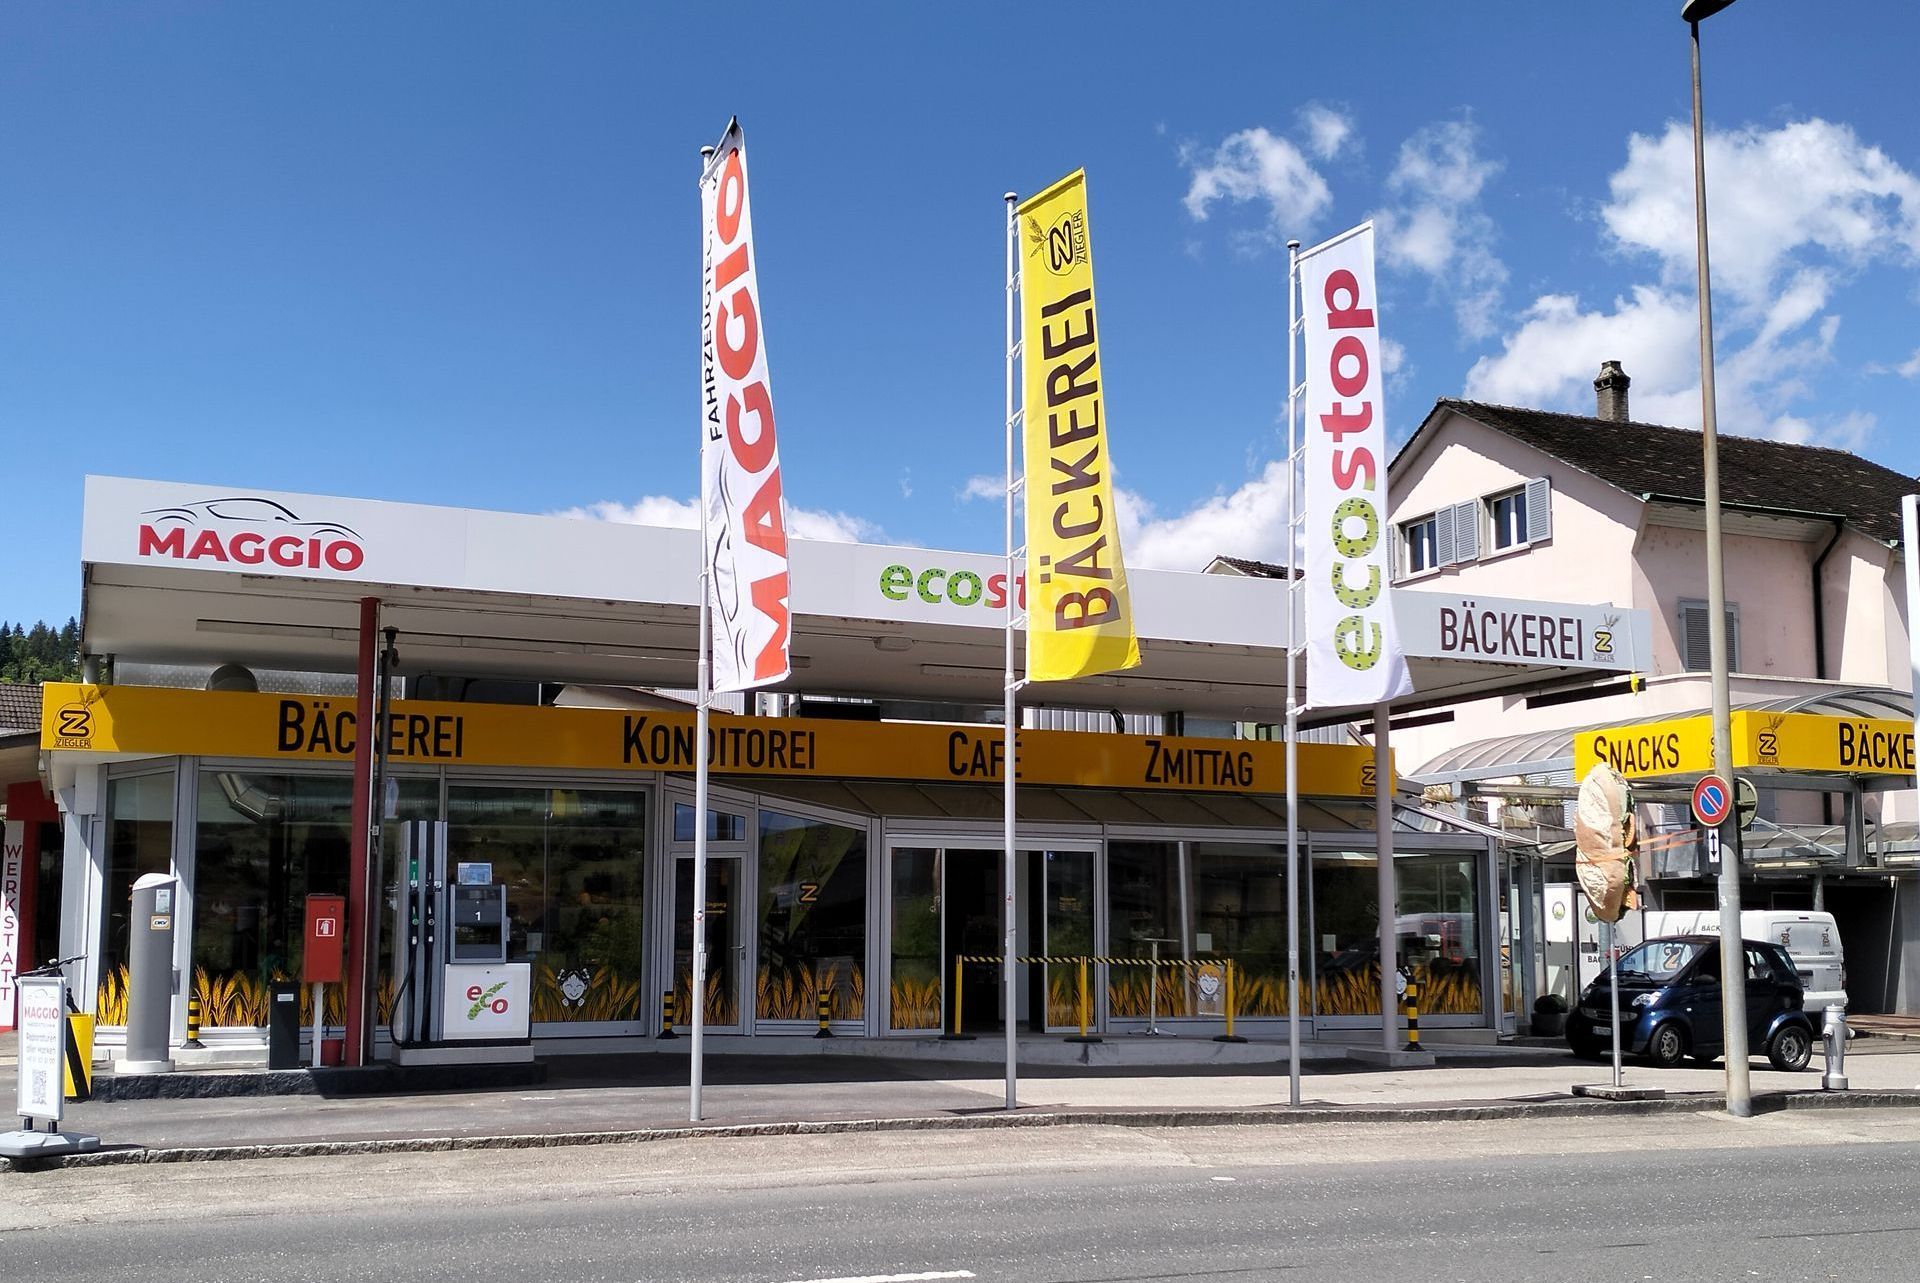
[1353, 650]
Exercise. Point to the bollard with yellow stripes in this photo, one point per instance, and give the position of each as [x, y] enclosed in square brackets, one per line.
[826, 1015]
[1413, 1013]
[666, 1015]
[193, 1020]
[78, 1074]
[1231, 998]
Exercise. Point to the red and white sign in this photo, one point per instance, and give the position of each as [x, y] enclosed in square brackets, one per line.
[490, 1001]
[1353, 647]
[13, 872]
[247, 530]
[1712, 801]
[745, 508]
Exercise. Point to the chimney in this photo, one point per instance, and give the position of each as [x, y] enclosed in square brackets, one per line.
[1610, 392]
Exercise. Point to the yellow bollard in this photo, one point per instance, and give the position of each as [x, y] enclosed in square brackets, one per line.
[1413, 1014]
[959, 993]
[666, 1015]
[1232, 998]
[826, 1015]
[193, 1020]
[1085, 1008]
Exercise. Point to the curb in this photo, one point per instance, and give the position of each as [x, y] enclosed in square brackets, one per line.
[1766, 1103]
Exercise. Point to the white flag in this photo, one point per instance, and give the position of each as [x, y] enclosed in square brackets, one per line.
[1353, 651]
[740, 490]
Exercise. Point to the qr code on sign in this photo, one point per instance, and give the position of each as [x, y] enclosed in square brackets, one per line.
[39, 1084]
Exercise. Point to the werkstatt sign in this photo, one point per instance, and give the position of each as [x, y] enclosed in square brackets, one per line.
[1780, 741]
[286, 728]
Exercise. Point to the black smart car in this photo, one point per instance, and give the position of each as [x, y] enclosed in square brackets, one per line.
[1670, 994]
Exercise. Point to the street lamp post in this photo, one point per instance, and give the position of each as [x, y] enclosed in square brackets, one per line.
[1733, 966]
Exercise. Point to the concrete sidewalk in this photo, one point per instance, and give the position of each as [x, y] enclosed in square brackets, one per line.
[632, 1097]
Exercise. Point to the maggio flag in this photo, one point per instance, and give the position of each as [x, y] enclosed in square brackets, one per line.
[745, 517]
[1079, 619]
[1353, 652]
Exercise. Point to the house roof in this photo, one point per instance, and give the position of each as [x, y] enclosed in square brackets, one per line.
[19, 708]
[1250, 568]
[1648, 459]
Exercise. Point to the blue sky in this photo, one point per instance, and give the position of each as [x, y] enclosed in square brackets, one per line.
[448, 252]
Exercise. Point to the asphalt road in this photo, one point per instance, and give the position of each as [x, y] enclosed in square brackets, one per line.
[1827, 1195]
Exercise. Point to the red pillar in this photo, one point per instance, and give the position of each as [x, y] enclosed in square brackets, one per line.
[359, 876]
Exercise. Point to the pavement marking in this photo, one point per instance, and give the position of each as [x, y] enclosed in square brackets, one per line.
[895, 1278]
[1224, 1180]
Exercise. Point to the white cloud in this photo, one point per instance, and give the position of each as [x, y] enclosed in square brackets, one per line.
[1907, 369]
[1328, 129]
[988, 485]
[684, 514]
[1436, 226]
[1772, 195]
[1795, 210]
[1248, 522]
[1255, 165]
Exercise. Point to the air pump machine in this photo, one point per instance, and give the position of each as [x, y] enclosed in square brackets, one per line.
[456, 997]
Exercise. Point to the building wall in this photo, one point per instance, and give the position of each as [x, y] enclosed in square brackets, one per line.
[1589, 557]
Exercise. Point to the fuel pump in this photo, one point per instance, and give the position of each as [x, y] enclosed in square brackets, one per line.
[456, 996]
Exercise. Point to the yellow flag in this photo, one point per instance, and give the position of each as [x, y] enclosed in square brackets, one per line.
[1079, 618]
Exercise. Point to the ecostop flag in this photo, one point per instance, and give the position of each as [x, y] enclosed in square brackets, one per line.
[1079, 620]
[745, 509]
[1353, 650]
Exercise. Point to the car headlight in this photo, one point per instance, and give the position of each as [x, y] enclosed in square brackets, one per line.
[1643, 1000]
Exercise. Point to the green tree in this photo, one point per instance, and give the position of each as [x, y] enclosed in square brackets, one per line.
[43, 653]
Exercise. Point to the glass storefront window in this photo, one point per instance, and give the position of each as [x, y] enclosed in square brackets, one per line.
[573, 863]
[139, 840]
[263, 842]
[813, 919]
[1144, 905]
[722, 826]
[1239, 913]
[914, 997]
[1069, 899]
[1438, 933]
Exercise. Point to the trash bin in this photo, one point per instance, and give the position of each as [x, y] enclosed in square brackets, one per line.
[283, 1025]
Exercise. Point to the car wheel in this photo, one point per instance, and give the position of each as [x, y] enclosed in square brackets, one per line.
[1668, 1045]
[1790, 1049]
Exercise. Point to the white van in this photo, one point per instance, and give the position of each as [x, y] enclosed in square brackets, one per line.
[1810, 939]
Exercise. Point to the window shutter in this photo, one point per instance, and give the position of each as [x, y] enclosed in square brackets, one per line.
[1465, 519]
[1733, 639]
[1539, 510]
[1397, 553]
[1696, 656]
[1443, 537]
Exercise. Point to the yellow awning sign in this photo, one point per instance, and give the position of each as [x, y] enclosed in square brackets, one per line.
[282, 729]
[1776, 741]
[1648, 750]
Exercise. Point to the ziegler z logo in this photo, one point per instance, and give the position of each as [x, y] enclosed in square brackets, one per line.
[247, 530]
[1769, 741]
[1369, 777]
[1063, 244]
[73, 726]
[1603, 636]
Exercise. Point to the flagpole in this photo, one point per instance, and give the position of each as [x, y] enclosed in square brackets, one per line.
[1009, 725]
[704, 696]
[1293, 679]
